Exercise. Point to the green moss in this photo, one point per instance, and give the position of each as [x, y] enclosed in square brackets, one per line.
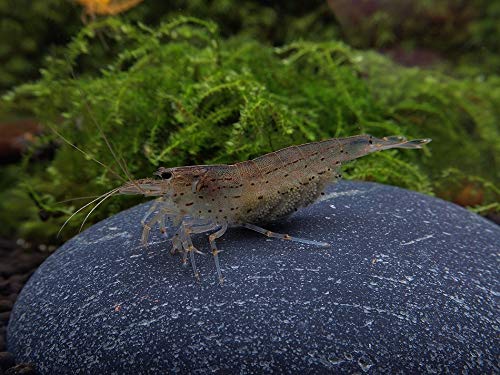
[52, 23]
[180, 94]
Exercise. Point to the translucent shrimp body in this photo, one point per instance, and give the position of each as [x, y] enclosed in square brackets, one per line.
[211, 198]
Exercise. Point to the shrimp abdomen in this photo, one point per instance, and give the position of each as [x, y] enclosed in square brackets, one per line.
[284, 180]
[339, 150]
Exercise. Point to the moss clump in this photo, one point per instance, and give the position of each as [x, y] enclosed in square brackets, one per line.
[52, 23]
[179, 94]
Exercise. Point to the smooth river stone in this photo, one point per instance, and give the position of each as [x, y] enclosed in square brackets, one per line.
[410, 283]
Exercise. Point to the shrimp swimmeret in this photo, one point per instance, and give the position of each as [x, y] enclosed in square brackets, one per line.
[203, 198]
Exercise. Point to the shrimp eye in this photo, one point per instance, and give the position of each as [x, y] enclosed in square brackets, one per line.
[166, 175]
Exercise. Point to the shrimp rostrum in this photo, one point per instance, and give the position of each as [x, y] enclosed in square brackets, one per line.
[211, 198]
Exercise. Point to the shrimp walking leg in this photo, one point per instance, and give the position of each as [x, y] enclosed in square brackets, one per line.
[159, 217]
[152, 209]
[181, 241]
[287, 237]
[188, 246]
[191, 230]
[176, 244]
[215, 250]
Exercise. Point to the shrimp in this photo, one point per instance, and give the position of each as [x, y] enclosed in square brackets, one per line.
[212, 198]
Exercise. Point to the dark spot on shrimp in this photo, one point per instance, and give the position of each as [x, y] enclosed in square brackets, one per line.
[260, 197]
[189, 204]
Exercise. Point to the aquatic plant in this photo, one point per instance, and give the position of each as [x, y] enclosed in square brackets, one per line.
[180, 94]
[52, 23]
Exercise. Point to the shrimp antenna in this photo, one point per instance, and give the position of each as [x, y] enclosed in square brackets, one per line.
[109, 169]
[123, 166]
[77, 199]
[106, 196]
[103, 197]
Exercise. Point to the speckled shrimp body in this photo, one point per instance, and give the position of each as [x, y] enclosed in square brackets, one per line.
[204, 198]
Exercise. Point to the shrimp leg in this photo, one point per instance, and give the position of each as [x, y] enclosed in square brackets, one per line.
[146, 226]
[176, 244]
[182, 241]
[268, 233]
[192, 230]
[188, 246]
[155, 219]
[215, 250]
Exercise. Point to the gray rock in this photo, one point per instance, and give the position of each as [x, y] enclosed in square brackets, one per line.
[411, 283]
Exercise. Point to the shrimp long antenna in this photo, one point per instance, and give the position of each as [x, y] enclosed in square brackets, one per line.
[109, 169]
[96, 123]
[77, 199]
[105, 195]
[97, 205]
[117, 159]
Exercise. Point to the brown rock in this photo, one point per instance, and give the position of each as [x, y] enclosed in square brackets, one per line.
[4, 286]
[15, 137]
[15, 286]
[21, 369]
[470, 195]
[5, 305]
[4, 316]
[6, 360]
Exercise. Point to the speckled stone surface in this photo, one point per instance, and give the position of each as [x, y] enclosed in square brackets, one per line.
[411, 283]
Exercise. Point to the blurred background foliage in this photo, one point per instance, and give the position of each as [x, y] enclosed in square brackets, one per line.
[197, 82]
